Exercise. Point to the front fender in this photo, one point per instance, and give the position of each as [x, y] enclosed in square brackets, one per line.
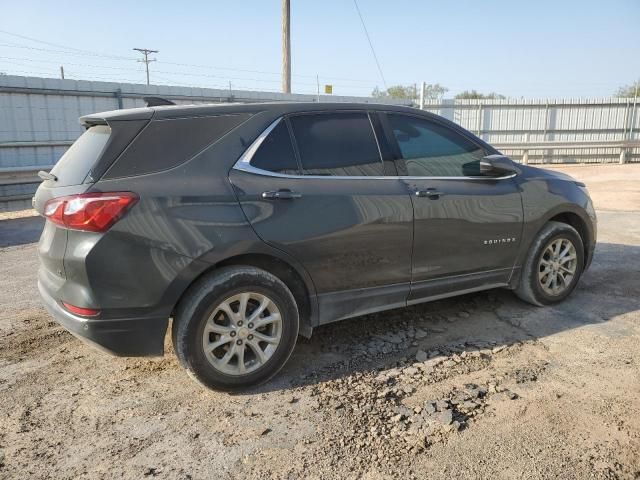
[545, 198]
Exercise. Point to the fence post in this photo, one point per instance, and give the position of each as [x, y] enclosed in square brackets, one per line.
[623, 155]
[546, 153]
[118, 95]
[633, 115]
[422, 89]
[525, 153]
[626, 120]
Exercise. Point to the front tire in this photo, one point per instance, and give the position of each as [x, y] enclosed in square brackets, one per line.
[553, 265]
[235, 328]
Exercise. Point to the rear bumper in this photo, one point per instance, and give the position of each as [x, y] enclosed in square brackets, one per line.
[124, 337]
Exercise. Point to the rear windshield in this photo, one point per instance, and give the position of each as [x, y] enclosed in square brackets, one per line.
[74, 165]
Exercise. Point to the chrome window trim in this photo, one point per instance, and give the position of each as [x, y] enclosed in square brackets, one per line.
[248, 154]
[375, 138]
[244, 164]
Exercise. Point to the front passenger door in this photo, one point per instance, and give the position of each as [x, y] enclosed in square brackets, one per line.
[467, 226]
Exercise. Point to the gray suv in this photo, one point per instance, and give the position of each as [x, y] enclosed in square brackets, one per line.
[249, 225]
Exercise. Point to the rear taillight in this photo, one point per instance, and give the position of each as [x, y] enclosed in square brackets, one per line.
[93, 212]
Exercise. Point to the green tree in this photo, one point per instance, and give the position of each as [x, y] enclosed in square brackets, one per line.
[629, 91]
[411, 92]
[434, 91]
[475, 95]
[396, 91]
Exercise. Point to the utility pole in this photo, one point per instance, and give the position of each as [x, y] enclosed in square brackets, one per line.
[146, 61]
[61, 72]
[286, 47]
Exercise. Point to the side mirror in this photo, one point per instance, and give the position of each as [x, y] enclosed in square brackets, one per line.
[497, 165]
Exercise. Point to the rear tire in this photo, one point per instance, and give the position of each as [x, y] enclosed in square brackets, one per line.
[553, 265]
[235, 328]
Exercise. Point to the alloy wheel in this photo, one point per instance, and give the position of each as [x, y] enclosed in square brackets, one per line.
[242, 333]
[557, 266]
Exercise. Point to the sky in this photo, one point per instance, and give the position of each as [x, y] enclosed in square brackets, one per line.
[530, 49]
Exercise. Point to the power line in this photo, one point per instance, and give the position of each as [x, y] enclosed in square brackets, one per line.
[79, 52]
[375, 57]
[34, 69]
[300, 75]
[110, 67]
[63, 52]
[10, 60]
[165, 81]
[42, 41]
[67, 50]
[90, 52]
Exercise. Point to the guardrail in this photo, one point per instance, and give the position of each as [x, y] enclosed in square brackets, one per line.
[625, 147]
[18, 184]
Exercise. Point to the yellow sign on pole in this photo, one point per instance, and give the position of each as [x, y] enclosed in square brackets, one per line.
[328, 89]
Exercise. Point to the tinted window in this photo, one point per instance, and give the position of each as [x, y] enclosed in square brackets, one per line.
[165, 144]
[341, 144]
[276, 152]
[74, 165]
[433, 150]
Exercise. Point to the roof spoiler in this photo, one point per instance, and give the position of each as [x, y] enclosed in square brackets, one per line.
[157, 101]
[105, 118]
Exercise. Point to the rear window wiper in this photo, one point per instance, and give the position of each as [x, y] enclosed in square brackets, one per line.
[47, 176]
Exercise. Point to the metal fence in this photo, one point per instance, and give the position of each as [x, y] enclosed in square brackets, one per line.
[552, 131]
[39, 120]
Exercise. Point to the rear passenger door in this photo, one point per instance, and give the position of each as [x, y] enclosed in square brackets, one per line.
[316, 187]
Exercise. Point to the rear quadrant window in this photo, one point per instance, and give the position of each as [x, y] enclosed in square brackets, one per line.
[276, 154]
[337, 144]
[165, 144]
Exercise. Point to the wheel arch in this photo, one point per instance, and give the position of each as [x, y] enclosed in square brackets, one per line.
[285, 271]
[577, 222]
[569, 214]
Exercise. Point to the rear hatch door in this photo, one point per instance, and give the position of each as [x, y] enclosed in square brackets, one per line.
[81, 165]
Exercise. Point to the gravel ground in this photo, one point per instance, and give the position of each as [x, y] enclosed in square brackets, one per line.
[480, 386]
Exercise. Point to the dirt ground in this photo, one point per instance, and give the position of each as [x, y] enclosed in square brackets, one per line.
[480, 386]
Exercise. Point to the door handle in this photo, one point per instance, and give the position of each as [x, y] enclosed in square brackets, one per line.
[431, 193]
[283, 194]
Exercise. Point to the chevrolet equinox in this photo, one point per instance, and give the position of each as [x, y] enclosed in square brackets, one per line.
[249, 225]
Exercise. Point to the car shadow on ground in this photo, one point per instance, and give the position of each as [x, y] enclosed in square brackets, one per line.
[611, 287]
[20, 231]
